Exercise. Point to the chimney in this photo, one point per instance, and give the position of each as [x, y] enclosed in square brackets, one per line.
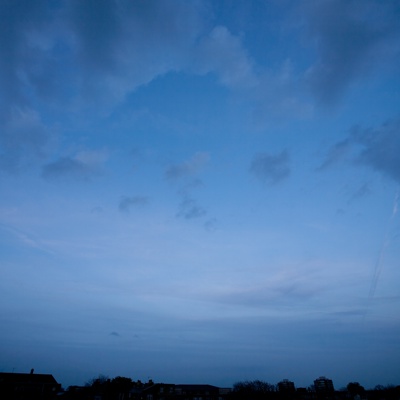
[32, 371]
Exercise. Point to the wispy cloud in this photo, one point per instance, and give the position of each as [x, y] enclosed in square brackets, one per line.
[26, 239]
[188, 209]
[224, 54]
[271, 168]
[188, 168]
[128, 202]
[336, 154]
[362, 191]
[380, 148]
[185, 175]
[83, 166]
[377, 148]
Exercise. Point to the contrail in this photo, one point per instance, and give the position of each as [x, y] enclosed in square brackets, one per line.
[379, 263]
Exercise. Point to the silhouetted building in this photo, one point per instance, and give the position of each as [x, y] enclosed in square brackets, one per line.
[28, 386]
[286, 386]
[323, 385]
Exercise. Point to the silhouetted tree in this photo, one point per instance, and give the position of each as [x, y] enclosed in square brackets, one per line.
[118, 388]
[115, 389]
[354, 389]
[96, 382]
[252, 390]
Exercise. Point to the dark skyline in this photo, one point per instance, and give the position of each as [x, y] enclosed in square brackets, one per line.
[319, 385]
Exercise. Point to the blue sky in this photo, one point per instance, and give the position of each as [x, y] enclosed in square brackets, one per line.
[200, 191]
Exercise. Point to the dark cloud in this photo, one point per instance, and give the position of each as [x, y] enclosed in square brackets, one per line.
[126, 202]
[377, 148]
[189, 209]
[67, 167]
[270, 168]
[115, 334]
[352, 38]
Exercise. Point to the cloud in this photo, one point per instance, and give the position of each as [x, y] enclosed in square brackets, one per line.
[275, 290]
[377, 148]
[110, 48]
[126, 203]
[279, 95]
[362, 191]
[336, 154]
[380, 148]
[82, 59]
[270, 168]
[128, 44]
[352, 39]
[19, 47]
[30, 74]
[223, 53]
[187, 168]
[67, 167]
[189, 209]
[95, 25]
[260, 296]
[27, 239]
[185, 174]
[58, 58]
[85, 165]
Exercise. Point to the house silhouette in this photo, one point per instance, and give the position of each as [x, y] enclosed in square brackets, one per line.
[16, 386]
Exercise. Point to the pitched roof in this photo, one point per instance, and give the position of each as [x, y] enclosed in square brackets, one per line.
[10, 377]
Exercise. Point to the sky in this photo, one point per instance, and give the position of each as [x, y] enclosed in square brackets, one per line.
[200, 191]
